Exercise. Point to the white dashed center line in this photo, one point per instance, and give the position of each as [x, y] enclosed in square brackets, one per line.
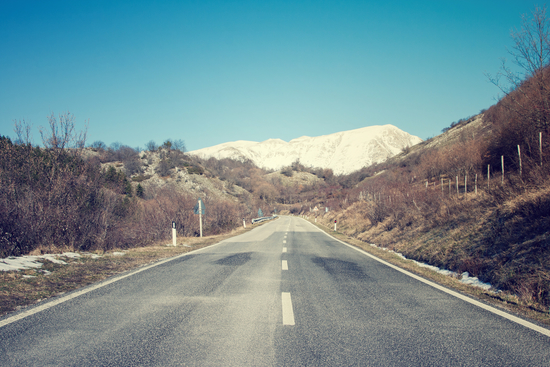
[285, 265]
[288, 313]
[284, 249]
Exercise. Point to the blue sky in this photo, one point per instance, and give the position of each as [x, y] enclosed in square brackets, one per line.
[209, 72]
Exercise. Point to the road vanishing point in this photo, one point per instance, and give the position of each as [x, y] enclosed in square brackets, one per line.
[283, 294]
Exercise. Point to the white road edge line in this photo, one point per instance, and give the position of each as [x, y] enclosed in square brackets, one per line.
[496, 311]
[285, 265]
[288, 313]
[89, 289]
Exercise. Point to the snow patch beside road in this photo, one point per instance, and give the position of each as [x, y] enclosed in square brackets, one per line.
[16, 263]
[464, 277]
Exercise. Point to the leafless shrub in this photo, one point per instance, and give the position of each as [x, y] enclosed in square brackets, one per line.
[23, 131]
[61, 133]
[98, 145]
[179, 145]
[151, 146]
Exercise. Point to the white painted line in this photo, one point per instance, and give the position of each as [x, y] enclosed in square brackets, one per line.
[284, 249]
[472, 301]
[284, 241]
[285, 265]
[288, 313]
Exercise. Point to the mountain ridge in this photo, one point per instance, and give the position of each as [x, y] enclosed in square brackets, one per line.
[343, 152]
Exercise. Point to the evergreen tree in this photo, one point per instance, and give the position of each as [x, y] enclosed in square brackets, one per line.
[140, 193]
[128, 189]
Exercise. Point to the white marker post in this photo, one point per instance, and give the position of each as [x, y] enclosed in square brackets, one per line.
[244, 223]
[335, 225]
[174, 234]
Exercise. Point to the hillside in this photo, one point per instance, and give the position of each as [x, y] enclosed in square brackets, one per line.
[450, 203]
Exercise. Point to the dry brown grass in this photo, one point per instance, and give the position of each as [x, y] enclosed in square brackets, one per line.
[529, 202]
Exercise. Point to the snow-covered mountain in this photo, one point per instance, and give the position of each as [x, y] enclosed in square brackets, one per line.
[343, 152]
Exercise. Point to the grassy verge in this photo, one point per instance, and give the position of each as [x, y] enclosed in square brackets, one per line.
[503, 300]
[26, 287]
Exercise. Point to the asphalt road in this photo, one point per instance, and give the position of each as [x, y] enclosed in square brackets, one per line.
[284, 294]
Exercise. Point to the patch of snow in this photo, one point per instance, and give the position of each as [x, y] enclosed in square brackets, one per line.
[399, 254]
[53, 259]
[464, 277]
[467, 279]
[343, 152]
[13, 263]
[19, 263]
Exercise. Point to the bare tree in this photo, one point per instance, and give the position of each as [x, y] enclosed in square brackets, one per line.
[115, 146]
[62, 133]
[528, 90]
[151, 146]
[98, 144]
[179, 145]
[531, 50]
[23, 130]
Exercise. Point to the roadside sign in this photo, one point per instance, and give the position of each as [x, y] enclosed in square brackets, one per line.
[199, 209]
[199, 206]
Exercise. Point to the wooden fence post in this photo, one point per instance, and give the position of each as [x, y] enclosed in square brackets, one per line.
[519, 154]
[488, 176]
[540, 147]
[502, 165]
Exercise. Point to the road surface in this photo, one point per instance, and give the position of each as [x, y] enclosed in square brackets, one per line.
[283, 294]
